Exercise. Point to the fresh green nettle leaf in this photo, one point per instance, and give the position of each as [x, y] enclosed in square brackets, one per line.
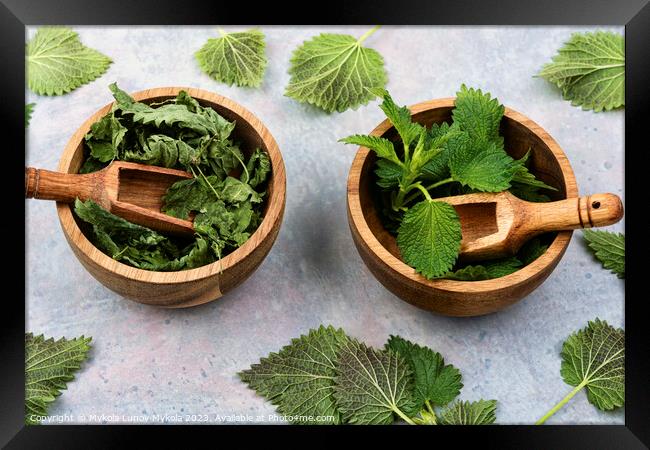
[334, 72]
[482, 412]
[478, 114]
[436, 383]
[383, 147]
[590, 70]
[373, 386]
[328, 377]
[593, 358]
[29, 109]
[235, 58]
[609, 248]
[487, 169]
[438, 161]
[299, 379]
[49, 366]
[57, 61]
[226, 196]
[429, 237]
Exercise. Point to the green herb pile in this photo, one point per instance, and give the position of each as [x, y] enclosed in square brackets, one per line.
[443, 160]
[226, 194]
[327, 377]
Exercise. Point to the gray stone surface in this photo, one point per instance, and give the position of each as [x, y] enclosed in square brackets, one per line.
[147, 361]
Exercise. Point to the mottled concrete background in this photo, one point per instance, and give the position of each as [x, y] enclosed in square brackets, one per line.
[147, 361]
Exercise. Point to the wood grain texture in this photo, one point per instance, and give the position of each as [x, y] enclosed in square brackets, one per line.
[378, 248]
[131, 191]
[195, 286]
[496, 225]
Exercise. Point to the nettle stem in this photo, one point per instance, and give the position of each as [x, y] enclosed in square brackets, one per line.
[367, 34]
[426, 189]
[406, 418]
[562, 402]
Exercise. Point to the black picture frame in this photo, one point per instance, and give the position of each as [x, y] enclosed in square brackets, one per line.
[633, 14]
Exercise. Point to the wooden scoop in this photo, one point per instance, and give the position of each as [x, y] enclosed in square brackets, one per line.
[497, 225]
[128, 190]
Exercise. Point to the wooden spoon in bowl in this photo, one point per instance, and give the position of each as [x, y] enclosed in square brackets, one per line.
[128, 190]
[497, 225]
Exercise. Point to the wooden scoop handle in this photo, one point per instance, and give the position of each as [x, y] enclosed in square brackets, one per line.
[595, 210]
[61, 187]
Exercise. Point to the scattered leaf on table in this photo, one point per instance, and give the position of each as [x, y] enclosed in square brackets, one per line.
[235, 58]
[299, 379]
[49, 366]
[590, 70]
[609, 248]
[334, 72]
[57, 61]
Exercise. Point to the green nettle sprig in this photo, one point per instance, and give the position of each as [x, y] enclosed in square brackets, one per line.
[327, 377]
[593, 358]
[442, 160]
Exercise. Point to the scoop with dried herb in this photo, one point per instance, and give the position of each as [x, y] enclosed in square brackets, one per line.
[226, 194]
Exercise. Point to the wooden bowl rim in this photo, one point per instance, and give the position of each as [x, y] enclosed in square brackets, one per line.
[273, 214]
[531, 271]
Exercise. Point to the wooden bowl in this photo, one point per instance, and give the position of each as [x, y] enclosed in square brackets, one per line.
[378, 247]
[195, 286]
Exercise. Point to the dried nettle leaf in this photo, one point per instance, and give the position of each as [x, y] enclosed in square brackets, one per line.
[225, 196]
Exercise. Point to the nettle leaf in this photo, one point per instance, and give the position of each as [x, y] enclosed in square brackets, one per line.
[590, 70]
[49, 366]
[523, 176]
[372, 386]
[478, 114]
[186, 196]
[594, 358]
[429, 237]
[299, 379]
[486, 168]
[29, 109]
[487, 270]
[434, 381]
[400, 117]
[235, 58]
[258, 168]
[381, 146]
[388, 173]
[57, 61]
[482, 412]
[609, 248]
[334, 72]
